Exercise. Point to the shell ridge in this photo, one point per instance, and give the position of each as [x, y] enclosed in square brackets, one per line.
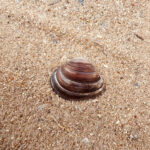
[77, 79]
[86, 77]
[91, 86]
[76, 94]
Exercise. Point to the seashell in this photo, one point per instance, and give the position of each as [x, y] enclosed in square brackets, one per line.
[77, 79]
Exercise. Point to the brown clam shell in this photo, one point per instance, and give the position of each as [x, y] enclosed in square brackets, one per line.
[77, 79]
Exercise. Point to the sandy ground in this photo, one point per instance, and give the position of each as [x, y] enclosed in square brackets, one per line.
[36, 36]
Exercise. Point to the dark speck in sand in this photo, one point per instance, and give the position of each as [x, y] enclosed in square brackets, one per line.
[136, 84]
[81, 1]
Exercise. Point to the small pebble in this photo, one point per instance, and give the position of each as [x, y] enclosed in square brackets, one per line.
[85, 140]
[136, 84]
[106, 66]
[17, 1]
[99, 115]
[117, 122]
[81, 1]
[103, 26]
[40, 107]
[133, 137]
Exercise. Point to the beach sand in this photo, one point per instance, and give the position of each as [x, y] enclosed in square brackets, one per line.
[38, 36]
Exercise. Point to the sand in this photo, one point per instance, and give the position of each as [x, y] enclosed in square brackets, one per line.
[37, 36]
